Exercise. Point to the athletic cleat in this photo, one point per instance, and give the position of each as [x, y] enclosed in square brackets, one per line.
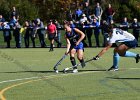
[113, 69]
[75, 71]
[137, 58]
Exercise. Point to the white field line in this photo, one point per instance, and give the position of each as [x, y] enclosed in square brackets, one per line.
[8, 81]
[21, 61]
[30, 78]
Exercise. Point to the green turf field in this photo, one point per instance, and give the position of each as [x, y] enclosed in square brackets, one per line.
[27, 74]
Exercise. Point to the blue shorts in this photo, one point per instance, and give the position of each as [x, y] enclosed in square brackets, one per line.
[79, 46]
[131, 44]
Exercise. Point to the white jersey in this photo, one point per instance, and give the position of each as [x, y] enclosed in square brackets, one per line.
[119, 35]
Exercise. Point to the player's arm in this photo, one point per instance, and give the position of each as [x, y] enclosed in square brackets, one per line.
[82, 35]
[104, 50]
[68, 45]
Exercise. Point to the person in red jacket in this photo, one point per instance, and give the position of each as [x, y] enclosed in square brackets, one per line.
[52, 34]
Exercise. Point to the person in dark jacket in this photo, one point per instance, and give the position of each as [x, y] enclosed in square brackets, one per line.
[135, 25]
[6, 33]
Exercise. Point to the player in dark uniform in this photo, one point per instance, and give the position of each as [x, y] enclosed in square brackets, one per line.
[74, 45]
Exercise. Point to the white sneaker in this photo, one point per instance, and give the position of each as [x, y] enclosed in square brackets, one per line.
[75, 71]
[56, 71]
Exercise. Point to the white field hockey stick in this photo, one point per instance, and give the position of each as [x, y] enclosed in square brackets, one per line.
[66, 69]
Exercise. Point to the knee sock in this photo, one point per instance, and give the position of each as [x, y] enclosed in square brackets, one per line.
[73, 62]
[130, 54]
[116, 59]
[82, 60]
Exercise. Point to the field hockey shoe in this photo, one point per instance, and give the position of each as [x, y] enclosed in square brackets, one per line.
[137, 58]
[75, 70]
[113, 69]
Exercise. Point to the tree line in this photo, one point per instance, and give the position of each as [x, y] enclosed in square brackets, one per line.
[56, 9]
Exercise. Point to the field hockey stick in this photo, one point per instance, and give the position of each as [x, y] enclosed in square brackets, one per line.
[66, 69]
[59, 62]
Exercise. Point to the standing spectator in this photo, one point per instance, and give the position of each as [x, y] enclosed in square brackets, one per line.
[58, 26]
[98, 12]
[124, 25]
[33, 32]
[14, 12]
[6, 33]
[16, 34]
[135, 25]
[13, 21]
[86, 9]
[83, 19]
[70, 15]
[88, 32]
[52, 34]
[78, 13]
[96, 25]
[41, 32]
[2, 19]
[26, 35]
[109, 11]
[86, 2]
[105, 32]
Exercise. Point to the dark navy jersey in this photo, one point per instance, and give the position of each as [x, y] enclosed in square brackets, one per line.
[73, 37]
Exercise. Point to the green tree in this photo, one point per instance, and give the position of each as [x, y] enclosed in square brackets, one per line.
[25, 8]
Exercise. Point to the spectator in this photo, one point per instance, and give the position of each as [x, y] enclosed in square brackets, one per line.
[86, 10]
[2, 19]
[14, 12]
[96, 25]
[124, 25]
[88, 32]
[16, 34]
[110, 13]
[58, 26]
[98, 12]
[26, 35]
[33, 32]
[41, 32]
[86, 3]
[83, 19]
[13, 21]
[6, 33]
[135, 25]
[78, 13]
[105, 32]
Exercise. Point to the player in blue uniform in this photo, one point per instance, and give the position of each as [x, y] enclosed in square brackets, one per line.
[74, 45]
[125, 41]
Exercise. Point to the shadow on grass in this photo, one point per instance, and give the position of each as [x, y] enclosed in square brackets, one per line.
[53, 71]
[124, 78]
